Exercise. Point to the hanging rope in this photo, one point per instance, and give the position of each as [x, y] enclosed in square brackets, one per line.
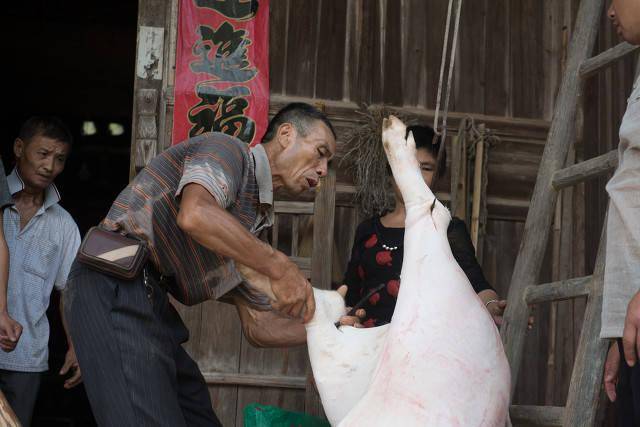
[441, 129]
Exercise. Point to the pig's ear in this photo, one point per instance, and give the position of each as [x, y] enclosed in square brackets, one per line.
[342, 290]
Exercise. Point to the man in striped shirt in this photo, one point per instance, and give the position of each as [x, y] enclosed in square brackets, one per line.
[199, 206]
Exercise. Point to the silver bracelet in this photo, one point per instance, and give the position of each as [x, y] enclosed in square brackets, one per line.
[486, 304]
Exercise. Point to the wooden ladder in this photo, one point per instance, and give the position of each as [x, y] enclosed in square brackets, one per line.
[553, 175]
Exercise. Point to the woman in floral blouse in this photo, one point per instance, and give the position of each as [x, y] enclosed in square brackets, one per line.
[376, 258]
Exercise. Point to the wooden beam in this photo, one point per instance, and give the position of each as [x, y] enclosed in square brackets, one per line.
[500, 207]
[346, 108]
[585, 170]
[557, 291]
[536, 415]
[344, 114]
[606, 59]
[540, 215]
[291, 207]
[252, 380]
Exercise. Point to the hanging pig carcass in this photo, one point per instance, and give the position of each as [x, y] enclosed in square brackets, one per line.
[440, 362]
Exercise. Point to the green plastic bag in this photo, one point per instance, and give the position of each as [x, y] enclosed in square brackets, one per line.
[256, 415]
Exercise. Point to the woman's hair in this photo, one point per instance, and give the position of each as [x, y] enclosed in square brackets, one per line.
[423, 136]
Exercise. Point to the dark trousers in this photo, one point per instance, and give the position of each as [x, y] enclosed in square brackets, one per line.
[21, 391]
[128, 339]
[628, 393]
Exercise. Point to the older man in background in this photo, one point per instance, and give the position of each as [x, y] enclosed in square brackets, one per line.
[43, 240]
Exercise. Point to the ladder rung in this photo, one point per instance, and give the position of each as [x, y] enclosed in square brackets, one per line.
[593, 65]
[582, 171]
[557, 291]
[536, 415]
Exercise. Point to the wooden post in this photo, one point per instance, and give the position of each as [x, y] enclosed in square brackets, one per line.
[323, 218]
[148, 83]
[459, 172]
[540, 215]
[484, 213]
[477, 187]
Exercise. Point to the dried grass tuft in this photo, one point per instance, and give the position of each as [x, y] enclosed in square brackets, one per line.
[366, 161]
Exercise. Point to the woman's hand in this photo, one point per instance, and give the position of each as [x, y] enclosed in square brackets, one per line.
[355, 321]
[496, 307]
[496, 310]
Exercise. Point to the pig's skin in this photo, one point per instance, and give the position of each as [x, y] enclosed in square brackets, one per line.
[440, 362]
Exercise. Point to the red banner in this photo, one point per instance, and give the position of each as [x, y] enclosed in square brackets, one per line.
[222, 69]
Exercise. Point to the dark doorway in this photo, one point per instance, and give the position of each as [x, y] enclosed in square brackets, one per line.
[75, 60]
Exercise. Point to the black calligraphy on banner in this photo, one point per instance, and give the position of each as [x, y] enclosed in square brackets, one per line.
[222, 69]
[222, 110]
[222, 53]
[240, 10]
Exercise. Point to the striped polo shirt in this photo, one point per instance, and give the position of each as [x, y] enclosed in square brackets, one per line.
[237, 177]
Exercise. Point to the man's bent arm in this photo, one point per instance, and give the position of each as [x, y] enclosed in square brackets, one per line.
[216, 229]
[268, 328]
[202, 218]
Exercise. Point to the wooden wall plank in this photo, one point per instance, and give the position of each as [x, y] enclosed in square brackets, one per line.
[224, 400]
[331, 48]
[414, 50]
[497, 65]
[346, 222]
[470, 63]
[554, 39]
[378, 31]
[392, 92]
[278, 32]
[290, 362]
[361, 47]
[302, 37]
[219, 344]
[526, 58]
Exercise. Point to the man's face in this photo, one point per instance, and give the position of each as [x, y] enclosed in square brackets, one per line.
[40, 160]
[305, 159]
[625, 15]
